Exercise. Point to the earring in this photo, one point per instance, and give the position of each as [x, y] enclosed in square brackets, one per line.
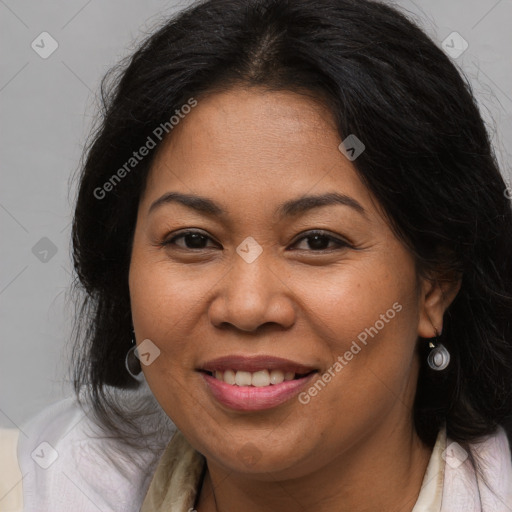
[439, 357]
[132, 363]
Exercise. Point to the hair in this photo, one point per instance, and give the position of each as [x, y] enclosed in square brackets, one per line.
[428, 161]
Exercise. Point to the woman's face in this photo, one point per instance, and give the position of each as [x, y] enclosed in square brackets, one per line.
[253, 280]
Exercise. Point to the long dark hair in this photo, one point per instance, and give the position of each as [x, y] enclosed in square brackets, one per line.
[428, 161]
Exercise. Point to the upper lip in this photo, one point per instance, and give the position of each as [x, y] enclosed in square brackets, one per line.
[254, 364]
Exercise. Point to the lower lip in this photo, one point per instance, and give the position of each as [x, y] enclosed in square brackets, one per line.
[251, 398]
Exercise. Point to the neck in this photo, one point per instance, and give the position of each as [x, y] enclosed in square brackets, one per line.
[381, 472]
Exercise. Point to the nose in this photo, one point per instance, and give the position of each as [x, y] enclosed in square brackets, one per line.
[252, 295]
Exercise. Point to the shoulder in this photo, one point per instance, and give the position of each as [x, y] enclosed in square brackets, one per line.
[67, 462]
[496, 464]
[482, 477]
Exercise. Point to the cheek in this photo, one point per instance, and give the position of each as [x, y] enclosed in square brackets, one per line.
[368, 319]
[164, 299]
[374, 299]
[167, 305]
[161, 303]
[158, 301]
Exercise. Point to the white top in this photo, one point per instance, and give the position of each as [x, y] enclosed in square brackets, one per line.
[65, 464]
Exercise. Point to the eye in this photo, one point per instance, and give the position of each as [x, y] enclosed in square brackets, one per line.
[191, 240]
[316, 241]
[319, 241]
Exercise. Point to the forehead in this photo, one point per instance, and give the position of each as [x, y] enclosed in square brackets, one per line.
[253, 143]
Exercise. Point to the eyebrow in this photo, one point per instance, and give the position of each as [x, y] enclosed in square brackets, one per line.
[290, 208]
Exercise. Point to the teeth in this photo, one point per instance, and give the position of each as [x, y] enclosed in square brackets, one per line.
[276, 377]
[229, 376]
[258, 379]
[243, 378]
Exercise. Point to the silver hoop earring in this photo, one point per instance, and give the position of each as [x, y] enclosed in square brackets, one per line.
[439, 357]
[132, 364]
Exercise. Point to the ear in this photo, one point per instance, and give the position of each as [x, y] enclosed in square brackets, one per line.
[436, 295]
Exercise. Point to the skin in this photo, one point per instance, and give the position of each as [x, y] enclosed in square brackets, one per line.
[353, 447]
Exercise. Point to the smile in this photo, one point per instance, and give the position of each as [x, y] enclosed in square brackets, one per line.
[262, 378]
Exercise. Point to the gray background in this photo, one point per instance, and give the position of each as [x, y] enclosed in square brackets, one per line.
[47, 106]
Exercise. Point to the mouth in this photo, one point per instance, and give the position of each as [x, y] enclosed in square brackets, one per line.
[259, 379]
[258, 370]
[254, 383]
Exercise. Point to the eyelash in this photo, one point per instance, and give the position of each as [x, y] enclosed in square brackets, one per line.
[341, 244]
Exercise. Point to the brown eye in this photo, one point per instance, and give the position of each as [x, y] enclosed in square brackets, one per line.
[191, 240]
[319, 241]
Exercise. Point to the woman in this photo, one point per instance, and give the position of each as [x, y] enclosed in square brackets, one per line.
[296, 217]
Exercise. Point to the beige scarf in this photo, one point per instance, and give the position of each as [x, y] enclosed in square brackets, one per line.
[450, 483]
[177, 478]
